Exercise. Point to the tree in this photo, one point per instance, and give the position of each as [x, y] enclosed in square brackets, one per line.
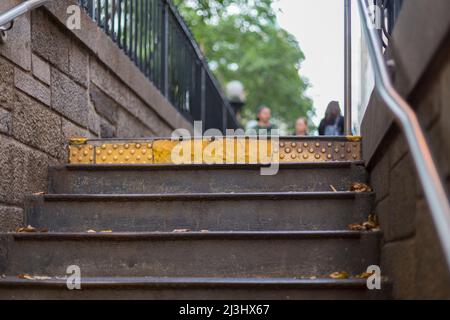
[243, 41]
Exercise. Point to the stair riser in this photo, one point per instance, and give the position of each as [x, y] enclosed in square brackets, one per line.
[193, 294]
[197, 215]
[205, 257]
[145, 181]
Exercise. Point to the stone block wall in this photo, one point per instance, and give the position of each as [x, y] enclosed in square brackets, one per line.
[54, 84]
[411, 252]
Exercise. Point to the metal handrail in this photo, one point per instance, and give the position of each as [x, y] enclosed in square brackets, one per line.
[155, 37]
[407, 120]
[10, 15]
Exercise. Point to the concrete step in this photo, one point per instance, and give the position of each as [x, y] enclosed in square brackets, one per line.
[191, 254]
[144, 179]
[192, 288]
[196, 212]
[207, 150]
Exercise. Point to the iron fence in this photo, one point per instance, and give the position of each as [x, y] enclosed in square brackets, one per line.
[393, 8]
[389, 12]
[155, 37]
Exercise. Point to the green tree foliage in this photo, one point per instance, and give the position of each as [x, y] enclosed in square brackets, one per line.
[242, 41]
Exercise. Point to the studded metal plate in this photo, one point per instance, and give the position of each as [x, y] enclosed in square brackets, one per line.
[319, 151]
[215, 151]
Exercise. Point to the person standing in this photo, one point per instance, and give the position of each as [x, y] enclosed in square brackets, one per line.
[263, 121]
[301, 127]
[333, 123]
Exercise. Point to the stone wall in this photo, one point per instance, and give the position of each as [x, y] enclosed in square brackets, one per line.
[56, 84]
[411, 252]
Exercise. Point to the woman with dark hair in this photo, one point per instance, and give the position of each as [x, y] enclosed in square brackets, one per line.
[333, 123]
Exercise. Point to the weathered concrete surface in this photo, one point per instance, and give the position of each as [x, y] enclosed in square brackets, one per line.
[168, 212]
[56, 84]
[412, 254]
[11, 218]
[154, 288]
[194, 254]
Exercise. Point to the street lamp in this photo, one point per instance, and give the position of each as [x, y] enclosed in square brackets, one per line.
[236, 96]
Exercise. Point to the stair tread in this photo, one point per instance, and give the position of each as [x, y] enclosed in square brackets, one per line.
[193, 235]
[194, 281]
[232, 166]
[209, 196]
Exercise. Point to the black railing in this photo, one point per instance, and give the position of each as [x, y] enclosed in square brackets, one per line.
[389, 12]
[157, 40]
[393, 8]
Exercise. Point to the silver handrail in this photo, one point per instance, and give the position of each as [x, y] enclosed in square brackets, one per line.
[407, 120]
[10, 15]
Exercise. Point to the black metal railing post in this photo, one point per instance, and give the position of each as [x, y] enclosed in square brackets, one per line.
[224, 118]
[203, 96]
[393, 11]
[155, 37]
[165, 49]
[90, 8]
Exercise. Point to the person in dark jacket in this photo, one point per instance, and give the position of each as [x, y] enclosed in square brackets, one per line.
[333, 123]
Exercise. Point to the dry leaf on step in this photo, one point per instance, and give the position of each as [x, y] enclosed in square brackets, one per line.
[78, 140]
[27, 229]
[339, 275]
[356, 227]
[363, 275]
[370, 225]
[91, 231]
[360, 187]
[181, 230]
[106, 231]
[30, 277]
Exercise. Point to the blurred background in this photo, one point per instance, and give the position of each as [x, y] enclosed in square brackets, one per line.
[288, 54]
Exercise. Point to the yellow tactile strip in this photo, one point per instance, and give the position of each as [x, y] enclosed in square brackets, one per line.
[213, 151]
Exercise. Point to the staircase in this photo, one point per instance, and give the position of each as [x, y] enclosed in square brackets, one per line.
[163, 231]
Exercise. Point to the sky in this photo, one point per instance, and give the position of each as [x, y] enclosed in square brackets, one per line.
[318, 26]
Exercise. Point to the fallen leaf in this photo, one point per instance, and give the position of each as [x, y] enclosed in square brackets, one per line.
[333, 188]
[355, 227]
[28, 229]
[204, 231]
[39, 193]
[339, 275]
[364, 275]
[106, 231]
[360, 187]
[41, 278]
[91, 231]
[78, 140]
[30, 277]
[181, 230]
[370, 225]
[313, 278]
